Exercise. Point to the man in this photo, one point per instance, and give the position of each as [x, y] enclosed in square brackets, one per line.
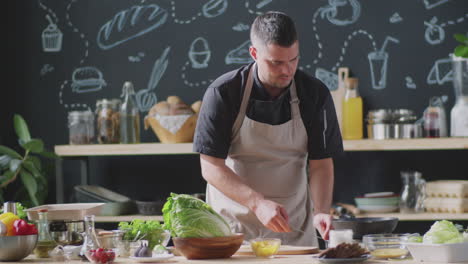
[258, 129]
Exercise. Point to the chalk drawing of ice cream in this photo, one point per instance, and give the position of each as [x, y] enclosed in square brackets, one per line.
[87, 79]
[199, 53]
[51, 37]
[239, 55]
[378, 61]
[337, 11]
[129, 24]
[434, 33]
[329, 78]
[214, 8]
[441, 72]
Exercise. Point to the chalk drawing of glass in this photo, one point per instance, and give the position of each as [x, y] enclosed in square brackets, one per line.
[51, 37]
[378, 65]
[87, 79]
[199, 53]
[441, 72]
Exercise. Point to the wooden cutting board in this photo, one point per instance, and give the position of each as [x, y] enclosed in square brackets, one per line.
[246, 250]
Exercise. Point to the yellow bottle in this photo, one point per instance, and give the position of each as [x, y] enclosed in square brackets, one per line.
[352, 111]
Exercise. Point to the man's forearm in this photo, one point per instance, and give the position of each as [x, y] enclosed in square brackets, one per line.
[228, 182]
[321, 184]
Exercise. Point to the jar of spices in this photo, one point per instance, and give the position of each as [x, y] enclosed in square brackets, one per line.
[81, 127]
[108, 121]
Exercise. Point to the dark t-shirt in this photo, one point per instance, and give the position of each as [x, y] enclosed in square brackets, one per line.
[222, 100]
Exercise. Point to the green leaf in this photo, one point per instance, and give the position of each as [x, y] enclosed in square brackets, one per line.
[4, 161]
[21, 128]
[461, 38]
[29, 165]
[30, 184]
[8, 175]
[34, 145]
[8, 151]
[461, 51]
[14, 165]
[36, 161]
[49, 155]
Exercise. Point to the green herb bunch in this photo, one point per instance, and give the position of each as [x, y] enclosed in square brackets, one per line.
[150, 230]
[462, 49]
[27, 167]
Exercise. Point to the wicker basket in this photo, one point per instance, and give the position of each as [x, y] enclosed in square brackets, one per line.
[183, 135]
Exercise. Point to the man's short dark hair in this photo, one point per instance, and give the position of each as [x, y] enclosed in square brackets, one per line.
[273, 28]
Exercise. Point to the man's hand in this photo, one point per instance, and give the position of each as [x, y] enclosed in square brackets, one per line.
[272, 215]
[323, 223]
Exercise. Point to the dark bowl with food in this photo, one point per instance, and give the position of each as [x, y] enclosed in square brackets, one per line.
[366, 225]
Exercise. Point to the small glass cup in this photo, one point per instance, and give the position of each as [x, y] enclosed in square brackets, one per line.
[265, 247]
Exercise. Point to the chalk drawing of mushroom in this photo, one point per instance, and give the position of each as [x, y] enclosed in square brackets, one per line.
[337, 8]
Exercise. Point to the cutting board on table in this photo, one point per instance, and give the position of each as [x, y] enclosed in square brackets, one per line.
[246, 250]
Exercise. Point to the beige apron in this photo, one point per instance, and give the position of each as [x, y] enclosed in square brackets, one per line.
[272, 160]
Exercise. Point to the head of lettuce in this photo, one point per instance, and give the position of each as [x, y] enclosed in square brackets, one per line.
[187, 216]
[443, 232]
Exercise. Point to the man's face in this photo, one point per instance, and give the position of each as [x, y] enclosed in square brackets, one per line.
[276, 64]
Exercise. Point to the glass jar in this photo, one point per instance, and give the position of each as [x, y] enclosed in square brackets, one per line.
[81, 127]
[108, 121]
[45, 242]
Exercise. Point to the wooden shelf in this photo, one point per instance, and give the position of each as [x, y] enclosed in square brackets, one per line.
[126, 218]
[123, 149]
[186, 148]
[420, 216]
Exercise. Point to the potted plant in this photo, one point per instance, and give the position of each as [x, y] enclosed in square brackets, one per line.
[24, 172]
[459, 114]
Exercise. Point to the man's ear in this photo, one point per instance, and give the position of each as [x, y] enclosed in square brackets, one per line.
[253, 52]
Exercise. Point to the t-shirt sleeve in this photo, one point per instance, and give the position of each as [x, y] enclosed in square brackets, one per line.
[325, 137]
[214, 125]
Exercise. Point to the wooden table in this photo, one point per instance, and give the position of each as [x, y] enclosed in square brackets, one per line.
[290, 259]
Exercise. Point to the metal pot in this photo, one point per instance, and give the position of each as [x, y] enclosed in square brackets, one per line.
[407, 130]
[366, 225]
[379, 131]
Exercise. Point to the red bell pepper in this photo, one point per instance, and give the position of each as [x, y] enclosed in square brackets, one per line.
[22, 228]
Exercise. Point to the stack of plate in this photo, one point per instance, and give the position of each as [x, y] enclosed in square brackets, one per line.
[382, 202]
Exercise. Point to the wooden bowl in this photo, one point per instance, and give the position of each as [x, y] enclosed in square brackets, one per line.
[208, 248]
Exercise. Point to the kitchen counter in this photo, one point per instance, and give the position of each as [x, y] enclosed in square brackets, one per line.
[296, 259]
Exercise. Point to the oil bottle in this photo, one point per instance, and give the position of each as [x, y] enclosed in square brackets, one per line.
[45, 242]
[129, 116]
[352, 111]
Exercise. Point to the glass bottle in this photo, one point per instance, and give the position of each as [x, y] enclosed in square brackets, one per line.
[352, 111]
[129, 116]
[90, 238]
[45, 242]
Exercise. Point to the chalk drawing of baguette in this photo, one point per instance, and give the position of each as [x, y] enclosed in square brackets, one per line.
[129, 24]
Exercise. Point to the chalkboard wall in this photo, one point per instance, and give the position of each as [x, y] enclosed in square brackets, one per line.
[65, 55]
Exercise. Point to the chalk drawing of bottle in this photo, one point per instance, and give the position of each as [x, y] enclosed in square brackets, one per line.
[199, 53]
[51, 37]
[378, 65]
